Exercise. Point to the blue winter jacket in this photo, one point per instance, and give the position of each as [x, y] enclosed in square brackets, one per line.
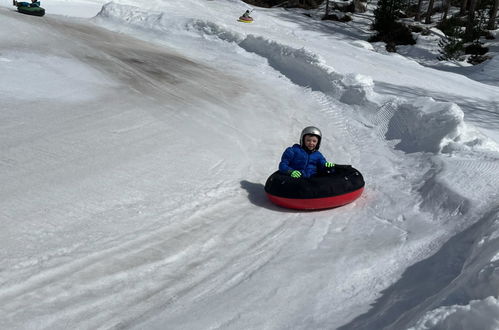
[297, 158]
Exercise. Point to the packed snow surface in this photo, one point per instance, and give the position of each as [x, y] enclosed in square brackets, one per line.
[135, 141]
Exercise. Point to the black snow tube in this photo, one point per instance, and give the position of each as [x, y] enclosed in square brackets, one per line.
[341, 187]
[35, 11]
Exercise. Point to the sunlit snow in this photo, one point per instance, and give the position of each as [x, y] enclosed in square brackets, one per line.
[136, 138]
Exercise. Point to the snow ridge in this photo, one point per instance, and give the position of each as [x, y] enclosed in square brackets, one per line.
[442, 122]
[301, 66]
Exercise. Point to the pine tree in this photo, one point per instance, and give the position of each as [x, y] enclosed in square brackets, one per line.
[429, 12]
[389, 29]
[385, 15]
[451, 48]
[418, 11]
[492, 16]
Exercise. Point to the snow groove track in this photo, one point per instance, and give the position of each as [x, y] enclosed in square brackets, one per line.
[381, 118]
[142, 272]
[191, 247]
[187, 245]
[477, 171]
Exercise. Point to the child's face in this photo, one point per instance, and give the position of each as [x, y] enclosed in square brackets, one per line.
[310, 141]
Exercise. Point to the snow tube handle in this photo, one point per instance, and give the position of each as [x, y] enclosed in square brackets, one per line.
[342, 166]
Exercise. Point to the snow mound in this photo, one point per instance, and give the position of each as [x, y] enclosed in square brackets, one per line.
[426, 126]
[130, 14]
[358, 89]
[479, 314]
[213, 29]
[142, 19]
[363, 44]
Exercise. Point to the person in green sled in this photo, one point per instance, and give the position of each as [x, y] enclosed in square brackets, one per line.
[34, 3]
[304, 160]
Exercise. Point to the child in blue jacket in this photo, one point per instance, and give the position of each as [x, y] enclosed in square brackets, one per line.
[304, 159]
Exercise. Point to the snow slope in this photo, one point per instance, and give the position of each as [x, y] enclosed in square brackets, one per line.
[133, 165]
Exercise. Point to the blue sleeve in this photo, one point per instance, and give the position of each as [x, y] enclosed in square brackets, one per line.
[286, 158]
[321, 160]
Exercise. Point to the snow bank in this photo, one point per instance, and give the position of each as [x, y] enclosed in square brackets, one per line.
[362, 44]
[358, 89]
[167, 23]
[426, 125]
[137, 17]
[471, 299]
[308, 69]
[487, 72]
[479, 314]
[421, 126]
[301, 66]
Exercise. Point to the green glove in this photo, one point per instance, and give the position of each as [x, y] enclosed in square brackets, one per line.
[295, 174]
[328, 164]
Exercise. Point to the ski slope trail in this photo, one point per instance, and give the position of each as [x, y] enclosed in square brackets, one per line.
[133, 196]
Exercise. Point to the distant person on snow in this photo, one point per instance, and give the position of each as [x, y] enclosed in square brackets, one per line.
[304, 159]
[246, 15]
[34, 3]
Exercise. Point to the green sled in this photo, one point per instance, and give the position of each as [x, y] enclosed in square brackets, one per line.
[35, 11]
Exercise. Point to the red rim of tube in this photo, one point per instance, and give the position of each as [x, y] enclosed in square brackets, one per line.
[316, 203]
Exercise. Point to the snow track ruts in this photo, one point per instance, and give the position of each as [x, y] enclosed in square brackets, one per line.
[161, 253]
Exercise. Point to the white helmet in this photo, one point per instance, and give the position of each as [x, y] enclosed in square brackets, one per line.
[311, 130]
